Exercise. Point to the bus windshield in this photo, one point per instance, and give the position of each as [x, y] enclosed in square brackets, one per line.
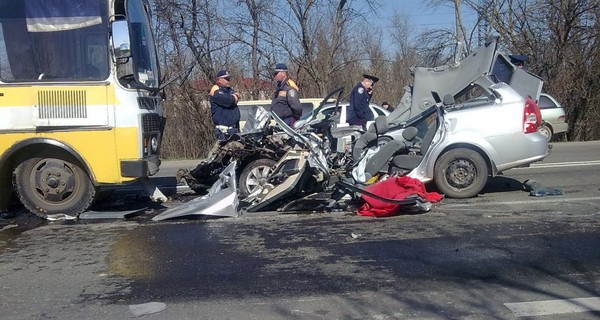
[143, 50]
[53, 41]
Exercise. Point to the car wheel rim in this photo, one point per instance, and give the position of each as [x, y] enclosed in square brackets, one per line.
[544, 131]
[461, 173]
[257, 178]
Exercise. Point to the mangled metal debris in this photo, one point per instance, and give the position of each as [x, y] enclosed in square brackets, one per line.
[60, 217]
[221, 200]
[256, 146]
[120, 214]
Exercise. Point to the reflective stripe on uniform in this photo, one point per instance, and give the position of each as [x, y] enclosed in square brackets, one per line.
[214, 89]
[223, 127]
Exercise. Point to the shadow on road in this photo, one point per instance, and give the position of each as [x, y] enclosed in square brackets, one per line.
[503, 184]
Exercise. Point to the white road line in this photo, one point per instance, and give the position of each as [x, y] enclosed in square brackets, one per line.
[547, 199]
[563, 164]
[549, 307]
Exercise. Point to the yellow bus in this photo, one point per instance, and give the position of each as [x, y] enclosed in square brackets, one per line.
[80, 102]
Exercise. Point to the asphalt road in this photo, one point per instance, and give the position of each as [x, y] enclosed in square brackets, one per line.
[501, 255]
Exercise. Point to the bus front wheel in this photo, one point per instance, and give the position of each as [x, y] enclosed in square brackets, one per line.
[49, 186]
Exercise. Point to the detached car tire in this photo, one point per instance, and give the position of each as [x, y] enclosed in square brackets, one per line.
[49, 186]
[460, 173]
[255, 175]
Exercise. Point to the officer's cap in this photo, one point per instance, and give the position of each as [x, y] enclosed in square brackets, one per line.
[281, 67]
[372, 78]
[223, 74]
[518, 58]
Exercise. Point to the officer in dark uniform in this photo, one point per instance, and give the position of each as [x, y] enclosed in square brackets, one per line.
[518, 60]
[223, 106]
[358, 111]
[286, 101]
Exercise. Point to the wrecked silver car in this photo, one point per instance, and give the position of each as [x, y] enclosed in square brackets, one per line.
[256, 149]
[455, 145]
[302, 179]
[451, 143]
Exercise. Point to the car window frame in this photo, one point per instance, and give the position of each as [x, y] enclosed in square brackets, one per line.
[546, 107]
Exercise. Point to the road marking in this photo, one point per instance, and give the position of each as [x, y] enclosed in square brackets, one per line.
[549, 307]
[562, 164]
[544, 200]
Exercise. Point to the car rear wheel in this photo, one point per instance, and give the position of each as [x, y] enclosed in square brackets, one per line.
[460, 173]
[546, 131]
[254, 175]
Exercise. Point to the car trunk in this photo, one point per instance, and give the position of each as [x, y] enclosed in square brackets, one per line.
[485, 62]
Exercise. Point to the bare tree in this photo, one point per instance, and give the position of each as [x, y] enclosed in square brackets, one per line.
[317, 39]
[561, 39]
[189, 36]
[245, 21]
[404, 57]
[460, 41]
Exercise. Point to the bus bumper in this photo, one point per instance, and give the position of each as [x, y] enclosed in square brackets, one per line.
[140, 168]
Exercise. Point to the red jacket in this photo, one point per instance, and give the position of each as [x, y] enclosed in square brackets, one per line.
[394, 188]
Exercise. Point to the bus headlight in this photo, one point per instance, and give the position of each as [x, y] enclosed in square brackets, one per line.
[154, 144]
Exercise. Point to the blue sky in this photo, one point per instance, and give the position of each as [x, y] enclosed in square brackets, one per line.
[423, 17]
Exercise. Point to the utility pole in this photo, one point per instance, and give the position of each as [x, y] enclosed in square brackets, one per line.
[461, 48]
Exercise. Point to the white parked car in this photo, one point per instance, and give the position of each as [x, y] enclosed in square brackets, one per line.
[553, 116]
[308, 105]
[330, 110]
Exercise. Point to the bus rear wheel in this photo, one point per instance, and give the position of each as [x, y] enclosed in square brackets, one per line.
[49, 186]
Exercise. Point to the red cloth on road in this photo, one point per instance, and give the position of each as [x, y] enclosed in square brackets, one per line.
[398, 188]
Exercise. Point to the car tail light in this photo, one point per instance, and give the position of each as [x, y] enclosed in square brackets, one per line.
[562, 118]
[532, 116]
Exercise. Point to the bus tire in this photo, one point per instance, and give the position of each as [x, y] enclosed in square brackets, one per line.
[48, 186]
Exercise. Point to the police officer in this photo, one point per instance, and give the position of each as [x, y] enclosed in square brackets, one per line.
[518, 60]
[223, 106]
[286, 102]
[359, 111]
